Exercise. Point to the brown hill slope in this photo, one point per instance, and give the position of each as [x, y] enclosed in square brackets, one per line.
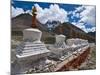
[24, 21]
[72, 31]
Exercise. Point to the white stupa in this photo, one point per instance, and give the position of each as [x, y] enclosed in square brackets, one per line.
[31, 48]
[59, 45]
[60, 41]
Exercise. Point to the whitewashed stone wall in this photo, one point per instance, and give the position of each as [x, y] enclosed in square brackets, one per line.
[76, 41]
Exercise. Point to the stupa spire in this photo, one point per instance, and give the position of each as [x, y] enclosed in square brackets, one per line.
[34, 10]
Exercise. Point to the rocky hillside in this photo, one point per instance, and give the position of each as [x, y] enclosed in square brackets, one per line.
[24, 21]
[71, 31]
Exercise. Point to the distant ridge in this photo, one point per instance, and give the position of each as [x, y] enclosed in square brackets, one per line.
[24, 21]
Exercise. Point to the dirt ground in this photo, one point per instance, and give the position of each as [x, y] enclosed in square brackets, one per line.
[90, 63]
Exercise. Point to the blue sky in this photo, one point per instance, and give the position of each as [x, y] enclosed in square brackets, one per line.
[82, 16]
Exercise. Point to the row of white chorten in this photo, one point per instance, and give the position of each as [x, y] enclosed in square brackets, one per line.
[32, 45]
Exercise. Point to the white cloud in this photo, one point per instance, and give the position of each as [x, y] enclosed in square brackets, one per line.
[53, 13]
[28, 11]
[17, 11]
[87, 17]
[79, 9]
[91, 29]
